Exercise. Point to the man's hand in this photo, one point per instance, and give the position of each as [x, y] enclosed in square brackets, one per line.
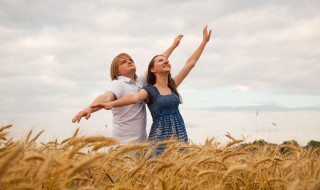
[84, 113]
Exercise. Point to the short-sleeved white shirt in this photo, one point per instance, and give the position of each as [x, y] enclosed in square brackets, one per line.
[129, 122]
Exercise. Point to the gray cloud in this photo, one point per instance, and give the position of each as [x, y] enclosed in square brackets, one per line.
[58, 53]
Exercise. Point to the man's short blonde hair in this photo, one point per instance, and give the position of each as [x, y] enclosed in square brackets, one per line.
[114, 68]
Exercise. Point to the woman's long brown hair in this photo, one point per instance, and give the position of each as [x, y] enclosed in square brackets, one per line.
[151, 79]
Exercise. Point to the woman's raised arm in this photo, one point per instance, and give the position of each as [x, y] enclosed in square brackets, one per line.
[191, 62]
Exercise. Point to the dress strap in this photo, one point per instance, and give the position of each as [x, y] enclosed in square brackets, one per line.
[152, 93]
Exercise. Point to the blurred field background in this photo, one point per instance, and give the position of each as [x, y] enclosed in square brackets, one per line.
[97, 162]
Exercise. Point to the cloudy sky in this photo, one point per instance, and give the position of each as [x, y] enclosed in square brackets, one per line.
[263, 56]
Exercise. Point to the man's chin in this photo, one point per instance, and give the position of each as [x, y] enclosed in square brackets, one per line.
[133, 69]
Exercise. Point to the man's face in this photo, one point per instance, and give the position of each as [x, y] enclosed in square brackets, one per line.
[126, 66]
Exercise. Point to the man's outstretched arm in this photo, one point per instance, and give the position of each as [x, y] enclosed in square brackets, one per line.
[107, 97]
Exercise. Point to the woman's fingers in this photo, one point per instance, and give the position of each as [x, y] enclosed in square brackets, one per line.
[206, 34]
[95, 106]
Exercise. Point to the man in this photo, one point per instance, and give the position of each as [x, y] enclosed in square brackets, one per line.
[129, 122]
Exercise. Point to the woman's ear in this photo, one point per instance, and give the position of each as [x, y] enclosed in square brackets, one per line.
[152, 70]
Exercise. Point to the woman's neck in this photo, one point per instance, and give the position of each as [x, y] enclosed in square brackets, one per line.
[162, 81]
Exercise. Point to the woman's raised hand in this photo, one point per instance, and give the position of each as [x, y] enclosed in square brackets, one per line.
[206, 34]
[177, 40]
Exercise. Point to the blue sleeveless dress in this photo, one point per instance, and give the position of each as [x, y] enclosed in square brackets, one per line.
[167, 120]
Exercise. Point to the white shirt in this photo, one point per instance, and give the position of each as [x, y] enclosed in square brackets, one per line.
[129, 122]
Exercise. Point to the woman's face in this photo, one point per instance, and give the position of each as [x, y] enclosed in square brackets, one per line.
[161, 65]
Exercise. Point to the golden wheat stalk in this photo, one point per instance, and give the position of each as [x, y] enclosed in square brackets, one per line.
[133, 171]
[75, 149]
[75, 133]
[234, 142]
[208, 142]
[35, 138]
[8, 161]
[43, 171]
[206, 172]
[3, 135]
[274, 180]
[28, 137]
[163, 166]
[203, 160]
[85, 164]
[132, 147]
[230, 137]
[187, 156]
[5, 127]
[9, 142]
[155, 160]
[182, 166]
[218, 162]
[99, 139]
[169, 149]
[277, 159]
[233, 154]
[170, 141]
[65, 140]
[104, 144]
[290, 147]
[233, 169]
[261, 161]
[315, 185]
[34, 157]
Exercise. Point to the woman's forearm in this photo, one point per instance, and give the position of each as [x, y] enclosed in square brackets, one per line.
[196, 55]
[130, 99]
[175, 44]
[126, 100]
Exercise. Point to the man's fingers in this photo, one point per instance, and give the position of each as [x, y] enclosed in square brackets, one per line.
[76, 118]
[88, 116]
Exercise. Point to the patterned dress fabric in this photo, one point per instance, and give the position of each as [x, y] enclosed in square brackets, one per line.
[167, 120]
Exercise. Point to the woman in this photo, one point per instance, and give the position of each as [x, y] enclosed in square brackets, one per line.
[129, 122]
[162, 97]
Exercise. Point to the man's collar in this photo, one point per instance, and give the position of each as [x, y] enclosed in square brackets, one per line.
[126, 79]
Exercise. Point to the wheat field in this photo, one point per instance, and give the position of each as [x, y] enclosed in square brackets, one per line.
[97, 162]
